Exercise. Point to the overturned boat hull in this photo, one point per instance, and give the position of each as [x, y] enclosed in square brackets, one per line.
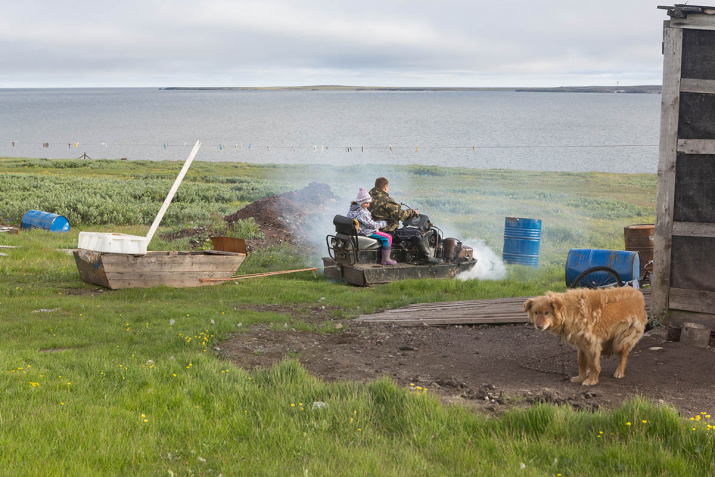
[366, 274]
[172, 269]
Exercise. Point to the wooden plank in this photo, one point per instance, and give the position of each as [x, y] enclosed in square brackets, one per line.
[468, 312]
[158, 275]
[506, 303]
[170, 196]
[482, 320]
[690, 85]
[90, 268]
[171, 263]
[693, 229]
[229, 244]
[696, 146]
[692, 300]
[694, 22]
[679, 317]
[665, 194]
[143, 282]
[164, 268]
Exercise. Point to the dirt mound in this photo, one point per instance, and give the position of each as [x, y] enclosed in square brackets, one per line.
[282, 218]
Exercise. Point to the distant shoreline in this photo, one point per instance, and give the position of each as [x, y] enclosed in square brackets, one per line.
[652, 89]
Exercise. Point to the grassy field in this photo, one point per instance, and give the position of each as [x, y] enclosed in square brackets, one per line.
[127, 382]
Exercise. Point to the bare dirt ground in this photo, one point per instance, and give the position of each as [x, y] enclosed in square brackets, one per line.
[492, 367]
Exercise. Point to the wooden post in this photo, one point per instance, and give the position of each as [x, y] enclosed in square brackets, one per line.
[169, 197]
[670, 104]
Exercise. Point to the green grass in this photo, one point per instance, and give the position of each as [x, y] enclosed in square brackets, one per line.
[587, 210]
[127, 382]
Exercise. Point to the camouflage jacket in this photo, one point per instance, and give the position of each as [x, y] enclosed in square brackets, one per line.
[384, 207]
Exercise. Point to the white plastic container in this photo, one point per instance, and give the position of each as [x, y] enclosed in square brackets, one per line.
[112, 243]
[132, 244]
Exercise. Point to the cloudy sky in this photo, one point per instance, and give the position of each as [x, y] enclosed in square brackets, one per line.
[94, 43]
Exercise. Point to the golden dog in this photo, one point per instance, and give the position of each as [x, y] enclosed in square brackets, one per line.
[595, 322]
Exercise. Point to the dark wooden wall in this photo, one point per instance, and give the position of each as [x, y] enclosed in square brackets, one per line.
[684, 254]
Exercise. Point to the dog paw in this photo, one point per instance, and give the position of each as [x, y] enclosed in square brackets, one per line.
[578, 379]
[590, 382]
[618, 374]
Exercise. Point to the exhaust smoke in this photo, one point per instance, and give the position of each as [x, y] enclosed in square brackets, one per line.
[489, 266]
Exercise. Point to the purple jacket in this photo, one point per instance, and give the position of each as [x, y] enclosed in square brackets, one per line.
[367, 225]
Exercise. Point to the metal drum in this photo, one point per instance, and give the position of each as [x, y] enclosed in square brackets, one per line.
[640, 238]
[45, 220]
[626, 263]
[522, 240]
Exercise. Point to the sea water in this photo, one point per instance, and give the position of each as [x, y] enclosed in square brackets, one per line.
[477, 129]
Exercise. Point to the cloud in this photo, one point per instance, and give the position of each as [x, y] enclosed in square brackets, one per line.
[242, 43]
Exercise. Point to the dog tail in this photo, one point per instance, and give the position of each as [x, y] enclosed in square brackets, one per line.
[628, 336]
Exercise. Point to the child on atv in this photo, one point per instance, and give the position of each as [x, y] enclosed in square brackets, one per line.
[370, 228]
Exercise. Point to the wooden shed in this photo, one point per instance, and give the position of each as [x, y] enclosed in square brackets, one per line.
[684, 251]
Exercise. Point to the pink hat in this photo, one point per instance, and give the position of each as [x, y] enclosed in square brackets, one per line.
[363, 196]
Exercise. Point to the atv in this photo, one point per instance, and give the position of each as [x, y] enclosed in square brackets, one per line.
[355, 258]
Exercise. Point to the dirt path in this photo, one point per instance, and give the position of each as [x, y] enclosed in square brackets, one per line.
[489, 366]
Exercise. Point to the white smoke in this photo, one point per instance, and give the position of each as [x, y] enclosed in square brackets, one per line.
[344, 183]
[489, 266]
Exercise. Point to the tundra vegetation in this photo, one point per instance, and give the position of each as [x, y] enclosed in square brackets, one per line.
[130, 382]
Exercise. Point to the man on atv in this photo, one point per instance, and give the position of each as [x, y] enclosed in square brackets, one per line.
[384, 207]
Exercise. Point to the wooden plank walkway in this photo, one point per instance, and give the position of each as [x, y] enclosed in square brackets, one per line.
[469, 312]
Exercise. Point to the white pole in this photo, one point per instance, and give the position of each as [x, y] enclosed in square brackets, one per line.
[167, 201]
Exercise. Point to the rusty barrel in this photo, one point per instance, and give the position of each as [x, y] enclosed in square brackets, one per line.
[639, 238]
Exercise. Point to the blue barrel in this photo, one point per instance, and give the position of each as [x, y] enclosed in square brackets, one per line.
[45, 220]
[522, 239]
[626, 263]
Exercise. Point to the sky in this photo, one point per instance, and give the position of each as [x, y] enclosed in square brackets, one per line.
[410, 43]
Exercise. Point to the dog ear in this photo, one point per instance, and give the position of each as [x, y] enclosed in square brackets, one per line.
[527, 304]
[556, 302]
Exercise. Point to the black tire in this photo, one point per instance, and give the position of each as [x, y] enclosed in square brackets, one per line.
[597, 277]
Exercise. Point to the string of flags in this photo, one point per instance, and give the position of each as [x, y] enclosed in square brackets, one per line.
[323, 148]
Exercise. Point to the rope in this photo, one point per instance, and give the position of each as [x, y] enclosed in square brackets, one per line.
[257, 275]
[322, 148]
